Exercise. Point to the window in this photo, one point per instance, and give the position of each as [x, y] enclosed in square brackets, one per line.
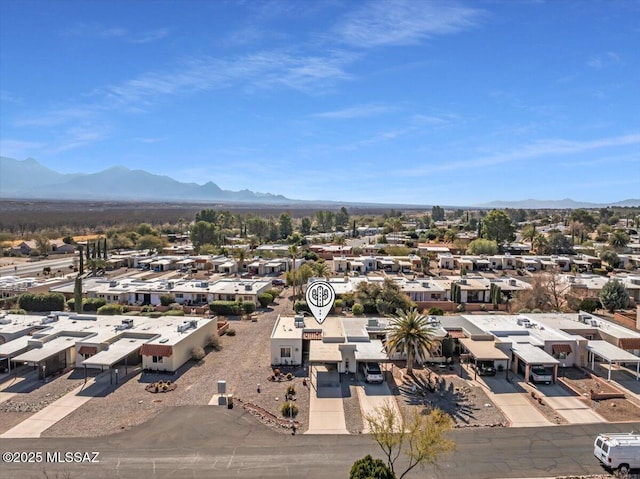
[156, 359]
[285, 352]
[560, 355]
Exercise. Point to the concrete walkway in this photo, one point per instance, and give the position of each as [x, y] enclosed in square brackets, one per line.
[34, 425]
[513, 402]
[326, 411]
[9, 383]
[568, 405]
[374, 396]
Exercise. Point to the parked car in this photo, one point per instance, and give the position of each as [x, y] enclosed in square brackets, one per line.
[486, 368]
[531, 269]
[373, 373]
[539, 374]
[277, 282]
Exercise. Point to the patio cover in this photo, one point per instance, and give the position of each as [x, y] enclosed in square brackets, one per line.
[612, 354]
[483, 350]
[51, 348]
[320, 352]
[115, 353]
[531, 354]
[371, 351]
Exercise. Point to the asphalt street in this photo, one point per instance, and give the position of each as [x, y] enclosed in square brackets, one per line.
[30, 268]
[206, 441]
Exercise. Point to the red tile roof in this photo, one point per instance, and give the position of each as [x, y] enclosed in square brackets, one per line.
[84, 350]
[313, 336]
[156, 350]
[629, 343]
[456, 333]
[561, 348]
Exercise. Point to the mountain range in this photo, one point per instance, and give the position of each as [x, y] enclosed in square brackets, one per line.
[29, 179]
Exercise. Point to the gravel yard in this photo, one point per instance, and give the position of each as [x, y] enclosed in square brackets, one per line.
[468, 406]
[243, 361]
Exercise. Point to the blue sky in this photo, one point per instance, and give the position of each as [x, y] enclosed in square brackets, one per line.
[415, 102]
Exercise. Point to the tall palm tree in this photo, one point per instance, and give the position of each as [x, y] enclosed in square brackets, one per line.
[410, 333]
[240, 254]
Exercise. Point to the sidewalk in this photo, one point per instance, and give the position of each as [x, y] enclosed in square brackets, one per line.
[34, 425]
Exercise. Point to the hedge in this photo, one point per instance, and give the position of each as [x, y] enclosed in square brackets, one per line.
[110, 309]
[231, 308]
[41, 302]
[173, 312]
[265, 299]
[91, 305]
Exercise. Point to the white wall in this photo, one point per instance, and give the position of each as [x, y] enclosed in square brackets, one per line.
[296, 351]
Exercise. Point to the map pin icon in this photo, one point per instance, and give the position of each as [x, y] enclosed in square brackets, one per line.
[320, 297]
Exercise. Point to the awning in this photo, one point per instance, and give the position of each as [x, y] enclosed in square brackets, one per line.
[84, 350]
[561, 348]
[156, 350]
[629, 343]
[456, 334]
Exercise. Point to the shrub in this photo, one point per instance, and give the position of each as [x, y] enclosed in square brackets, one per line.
[248, 307]
[289, 376]
[436, 312]
[197, 353]
[273, 292]
[110, 309]
[167, 299]
[225, 308]
[214, 341]
[289, 409]
[589, 305]
[91, 305]
[173, 312]
[524, 311]
[41, 302]
[231, 332]
[151, 314]
[301, 305]
[536, 310]
[16, 311]
[291, 390]
[147, 309]
[368, 467]
[265, 299]
[338, 303]
[600, 271]
[357, 309]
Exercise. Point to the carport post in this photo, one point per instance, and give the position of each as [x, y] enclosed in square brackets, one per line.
[638, 371]
[85, 373]
[609, 372]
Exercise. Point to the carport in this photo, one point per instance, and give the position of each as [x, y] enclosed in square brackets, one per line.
[13, 348]
[532, 355]
[52, 356]
[324, 361]
[484, 351]
[117, 352]
[611, 354]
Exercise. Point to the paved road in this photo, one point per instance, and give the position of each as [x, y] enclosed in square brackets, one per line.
[209, 441]
[61, 263]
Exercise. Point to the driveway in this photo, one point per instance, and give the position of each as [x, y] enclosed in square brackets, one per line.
[372, 397]
[326, 410]
[512, 400]
[568, 405]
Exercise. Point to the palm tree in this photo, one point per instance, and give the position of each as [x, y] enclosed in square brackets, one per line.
[96, 264]
[540, 243]
[410, 333]
[240, 254]
[320, 269]
[618, 239]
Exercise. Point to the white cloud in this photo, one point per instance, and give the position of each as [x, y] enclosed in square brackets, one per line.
[604, 60]
[19, 148]
[404, 22]
[102, 32]
[359, 111]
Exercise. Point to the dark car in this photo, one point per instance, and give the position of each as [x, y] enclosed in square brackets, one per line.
[486, 368]
[277, 282]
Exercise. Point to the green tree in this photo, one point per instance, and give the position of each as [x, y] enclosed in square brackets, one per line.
[77, 294]
[410, 333]
[81, 253]
[437, 213]
[44, 245]
[619, 239]
[392, 299]
[305, 225]
[540, 244]
[342, 218]
[95, 264]
[497, 226]
[558, 243]
[529, 232]
[421, 438]
[151, 242]
[614, 296]
[321, 269]
[482, 246]
[370, 468]
[293, 252]
[286, 225]
[145, 229]
[203, 232]
[610, 257]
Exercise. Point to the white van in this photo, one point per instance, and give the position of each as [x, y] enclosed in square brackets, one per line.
[618, 450]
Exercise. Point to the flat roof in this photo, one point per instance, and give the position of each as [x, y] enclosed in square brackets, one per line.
[48, 349]
[371, 351]
[612, 353]
[533, 355]
[483, 350]
[320, 352]
[17, 346]
[285, 328]
[115, 352]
